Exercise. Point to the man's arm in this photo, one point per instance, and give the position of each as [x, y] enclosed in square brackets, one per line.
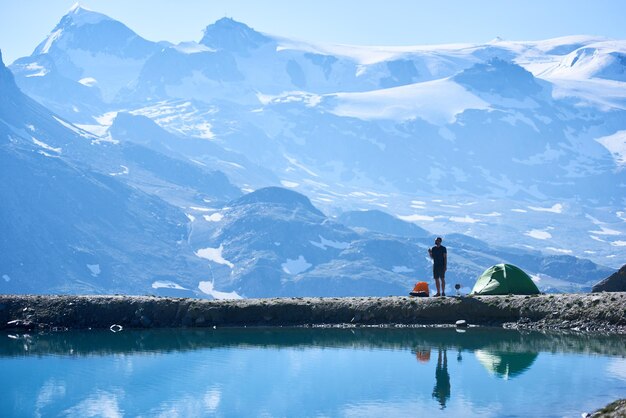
[430, 253]
[445, 261]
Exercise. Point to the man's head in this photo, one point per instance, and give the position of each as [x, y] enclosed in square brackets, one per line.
[438, 241]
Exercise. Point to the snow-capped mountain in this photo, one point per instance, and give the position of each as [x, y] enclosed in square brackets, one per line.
[518, 144]
[83, 63]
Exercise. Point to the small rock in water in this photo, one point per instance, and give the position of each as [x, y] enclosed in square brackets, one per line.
[461, 323]
[116, 328]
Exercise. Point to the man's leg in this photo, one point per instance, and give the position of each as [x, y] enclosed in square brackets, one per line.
[443, 284]
[437, 284]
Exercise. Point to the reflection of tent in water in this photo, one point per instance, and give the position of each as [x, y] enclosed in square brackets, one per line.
[505, 364]
[503, 279]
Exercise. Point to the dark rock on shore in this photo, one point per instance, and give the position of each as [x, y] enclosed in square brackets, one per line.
[616, 282]
[615, 409]
[601, 312]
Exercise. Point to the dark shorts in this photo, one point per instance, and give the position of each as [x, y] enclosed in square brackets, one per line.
[438, 271]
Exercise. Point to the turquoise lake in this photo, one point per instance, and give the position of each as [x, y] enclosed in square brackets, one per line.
[304, 372]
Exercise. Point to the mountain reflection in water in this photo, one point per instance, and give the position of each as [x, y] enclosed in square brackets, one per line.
[309, 372]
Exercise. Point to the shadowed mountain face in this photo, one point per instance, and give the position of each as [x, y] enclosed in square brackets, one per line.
[616, 282]
[501, 78]
[514, 150]
[70, 226]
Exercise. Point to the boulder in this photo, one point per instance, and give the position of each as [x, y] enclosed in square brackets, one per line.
[616, 282]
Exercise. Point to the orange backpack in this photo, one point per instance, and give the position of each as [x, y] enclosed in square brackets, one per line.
[420, 289]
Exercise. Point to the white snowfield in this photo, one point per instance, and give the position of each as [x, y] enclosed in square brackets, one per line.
[590, 73]
[437, 102]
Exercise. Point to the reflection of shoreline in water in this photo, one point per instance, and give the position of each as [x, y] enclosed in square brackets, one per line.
[492, 340]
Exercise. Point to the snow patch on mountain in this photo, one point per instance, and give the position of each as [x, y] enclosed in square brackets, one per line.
[417, 218]
[75, 129]
[464, 219]
[214, 217]
[166, 284]
[215, 255]
[616, 145]
[38, 70]
[45, 146]
[539, 234]
[325, 243]
[603, 229]
[489, 215]
[88, 81]
[556, 208]
[289, 184]
[295, 266]
[437, 102]
[209, 289]
[559, 250]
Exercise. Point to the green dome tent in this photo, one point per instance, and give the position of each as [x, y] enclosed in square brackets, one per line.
[503, 279]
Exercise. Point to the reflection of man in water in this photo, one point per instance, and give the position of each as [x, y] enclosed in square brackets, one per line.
[441, 391]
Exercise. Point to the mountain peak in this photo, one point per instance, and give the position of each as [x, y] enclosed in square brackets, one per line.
[86, 30]
[277, 196]
[498, 76]
[79, 15]
[230, 35]
[75, 18]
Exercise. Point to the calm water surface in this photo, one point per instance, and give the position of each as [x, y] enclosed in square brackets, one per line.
[309, 373]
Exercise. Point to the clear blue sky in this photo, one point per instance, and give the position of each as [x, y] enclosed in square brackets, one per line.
[25, 23]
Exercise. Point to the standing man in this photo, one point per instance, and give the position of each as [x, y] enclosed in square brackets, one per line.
[439, 254]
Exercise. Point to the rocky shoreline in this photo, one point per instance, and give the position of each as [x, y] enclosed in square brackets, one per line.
[597, 312]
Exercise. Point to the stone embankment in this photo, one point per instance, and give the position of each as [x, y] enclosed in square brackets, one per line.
[598, 312]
